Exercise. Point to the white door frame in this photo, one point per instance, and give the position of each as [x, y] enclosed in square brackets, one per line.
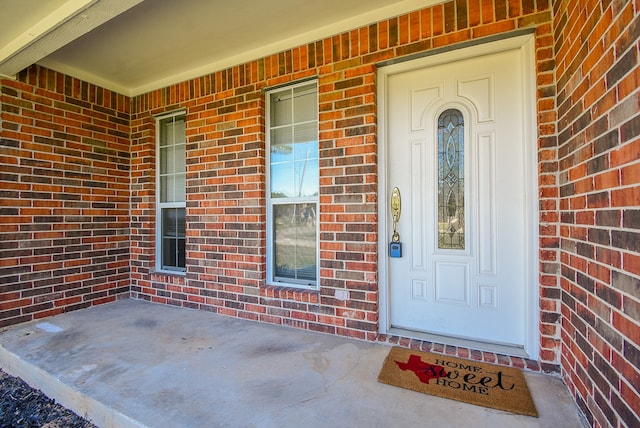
[527, 44]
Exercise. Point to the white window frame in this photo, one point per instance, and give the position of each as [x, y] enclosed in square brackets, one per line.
[271, 279]
[162, 205]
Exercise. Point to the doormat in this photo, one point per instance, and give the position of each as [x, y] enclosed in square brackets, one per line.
[482, 384]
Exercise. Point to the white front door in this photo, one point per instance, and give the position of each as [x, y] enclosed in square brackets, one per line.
[455, 148]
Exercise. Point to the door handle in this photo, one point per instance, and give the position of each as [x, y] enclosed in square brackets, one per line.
[395, 247]
[396, 210]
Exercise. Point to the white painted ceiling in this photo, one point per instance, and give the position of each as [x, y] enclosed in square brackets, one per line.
[133, 46]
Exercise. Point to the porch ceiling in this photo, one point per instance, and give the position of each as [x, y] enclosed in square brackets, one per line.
[133, 46]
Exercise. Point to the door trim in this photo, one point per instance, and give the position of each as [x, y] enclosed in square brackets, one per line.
[526, 43]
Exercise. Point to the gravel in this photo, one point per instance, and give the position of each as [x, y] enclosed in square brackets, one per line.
[24, 407]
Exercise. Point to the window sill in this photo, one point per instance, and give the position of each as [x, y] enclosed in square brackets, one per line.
[293, 286]
[285, 292]
[169, 273]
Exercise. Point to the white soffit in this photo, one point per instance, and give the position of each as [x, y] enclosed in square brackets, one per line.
[16, 24]
[32, 29]
[161, 42]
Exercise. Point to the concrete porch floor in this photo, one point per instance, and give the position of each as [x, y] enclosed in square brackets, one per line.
[133, 363]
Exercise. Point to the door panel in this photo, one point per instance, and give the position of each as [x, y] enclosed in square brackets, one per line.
[462, 272]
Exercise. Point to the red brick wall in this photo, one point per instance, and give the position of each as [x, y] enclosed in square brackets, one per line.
[64, 195]
[597, 48]
[226, 245]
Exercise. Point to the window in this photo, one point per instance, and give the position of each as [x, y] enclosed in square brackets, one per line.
[292, 200]
[170, 185]
[451, 180]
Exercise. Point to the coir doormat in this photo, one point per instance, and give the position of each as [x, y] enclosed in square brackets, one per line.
[483, 384]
